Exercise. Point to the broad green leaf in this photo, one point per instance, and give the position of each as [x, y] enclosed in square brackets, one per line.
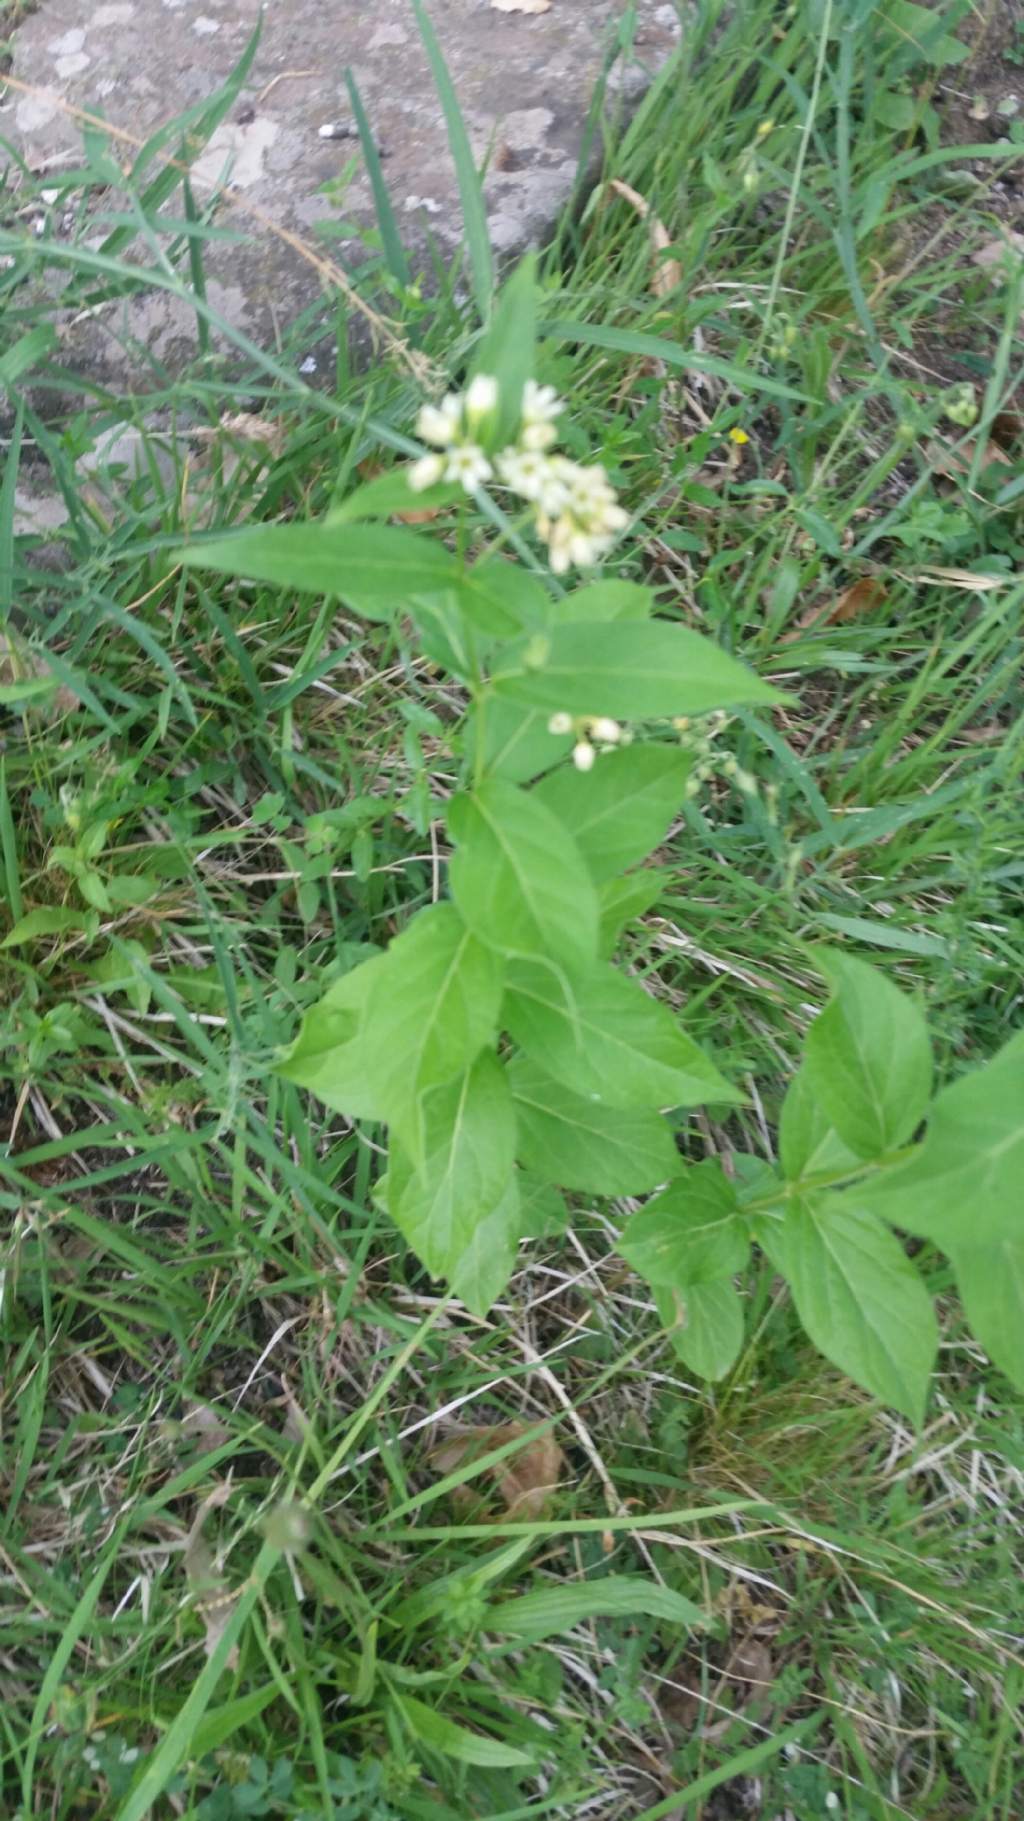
[859, 1297]
[503, 598]
[543, 1211]
[48, 920]
[550, 1611]
[390, 493]
[991, 1283]
[582, 1145]
[868, 1059]
[704, 1324]
[468, 1140]
[329, 1056]
[633, 670]
[622, 808]
[444, 634]
[611, 600]
[441, 1734]
[488, 1260]
[373, 567]
[432, 1006]
[920, 28]
[808, 1142]
[692, 1233]
[607, 1038]
[508, 351]
[518, 744]
[620, 900]
[965, 1182]
[518, 878]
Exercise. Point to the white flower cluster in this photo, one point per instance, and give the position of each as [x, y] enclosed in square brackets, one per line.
[593, 733]
[576, 511]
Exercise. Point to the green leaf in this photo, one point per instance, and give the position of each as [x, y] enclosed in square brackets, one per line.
[489, 1257]
[607, 1038]
[673, 353]
[502, 598]
[808, 1141]
[389, 493]
[610, 600]
[623, 808]
[859, 1297]
[550, 1611]
[633, 670]
[372, 567]
[598, 1149]
[46, 921]
[965, 1183]
[543, 1211]
[26, 353]
[704, 1324]
[868, 1057]
[329, 1057]
[26, 689]
[219, 1723]
[432, 1006]
[620, 900]
[991, 1283]
[390, 234]
[441, 1734]
[920, 28]
[508, 351]
[517, 742]
[692, 1233]
[473, 205]
[518, 878]
[468, 1142]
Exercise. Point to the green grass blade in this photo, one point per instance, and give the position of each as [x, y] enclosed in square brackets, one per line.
[8, 488]
[471, 192]
[390, 235]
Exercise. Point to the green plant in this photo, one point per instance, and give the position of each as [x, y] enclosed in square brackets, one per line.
[507, 1054]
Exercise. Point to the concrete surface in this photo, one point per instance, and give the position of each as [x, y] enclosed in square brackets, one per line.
[524, 83]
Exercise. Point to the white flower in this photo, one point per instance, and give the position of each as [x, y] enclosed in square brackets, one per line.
[541, 404]
[560, 723]
[538, 436]
[440, 424]
[525, 472]
[606, 731]
[481, 397]
[426, 472]
[583, 756]
[468, 465]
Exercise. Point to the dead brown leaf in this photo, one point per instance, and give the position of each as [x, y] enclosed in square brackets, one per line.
[995, 251]
[21, 663]
[946, 460]
[524, 1482]
[215, 1600]
[866, 595]
[521, 6]
[666, 274]
[203, 1425]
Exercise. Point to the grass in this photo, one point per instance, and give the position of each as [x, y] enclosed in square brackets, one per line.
[218, 793]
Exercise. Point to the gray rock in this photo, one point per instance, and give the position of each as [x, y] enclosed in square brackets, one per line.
[524, 83]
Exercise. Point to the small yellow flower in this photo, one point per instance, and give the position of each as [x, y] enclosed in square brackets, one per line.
[766, 127]
[738, 436]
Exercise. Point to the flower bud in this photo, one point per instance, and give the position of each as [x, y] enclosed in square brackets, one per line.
[481, 397]
[583, 756]
[606, 731]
